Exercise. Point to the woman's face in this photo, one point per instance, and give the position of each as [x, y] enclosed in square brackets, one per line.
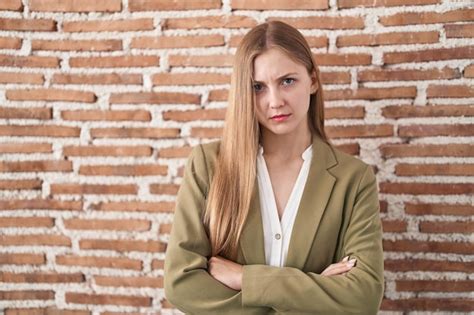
[282, 90]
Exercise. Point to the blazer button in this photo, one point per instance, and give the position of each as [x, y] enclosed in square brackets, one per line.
[277, 236]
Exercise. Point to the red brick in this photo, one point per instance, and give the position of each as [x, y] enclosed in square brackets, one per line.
[10, 184]
[51, 95]
[399, 38]
[455, 91]
[200, 60]
[404, 150]
[434, 286]
[43, 277]
[12, 5]
[335, 78]
[394, 226]
[371, 93]
[164, 189]
[466, 52]
[106, 299]
[427, 17]
[279, 5]
[99, 262]
[438, 209]
[27, 222]
[436, 130]
[86, 189]
[211, 22]
[201, 132]
[40, 131]
[469, 71]
[36, 166]
[428, 304]
[157, 264]
[190, 78]
[17, 77]
[139, 282]
[382, 3]
[23, 295]
[97, 224]
[35, 239]
[10, 43]
[165, 228]
[349, 148]
[406, 169]
[155, 98]
[77, 45]
[459, 30]
[29, 61]
[102, 150]
[161, 42]
[360, 131]
[124, 170]
[447, 227]
[109, 25]
[408, 75]
[407, 111]
[171, 5]
[36, 25]
[425, 188]
[22, 259]
[134, 206]
[114, 62]
[330, 59]
[428, 247]
[427, 265]
[154, 133]
[323, 22]
[98, 79]
[26, 113]
[107, 115]
[43, 204]
[25, 147]
[192, 115]
[123, 245]
[174, 152]
[43, 311]
[76, 5]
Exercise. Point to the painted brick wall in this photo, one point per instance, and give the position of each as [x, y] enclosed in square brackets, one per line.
[101, 101]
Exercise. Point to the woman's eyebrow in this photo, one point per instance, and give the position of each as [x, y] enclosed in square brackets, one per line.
[280, 77]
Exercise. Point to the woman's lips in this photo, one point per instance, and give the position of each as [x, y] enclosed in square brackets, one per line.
[280, 117]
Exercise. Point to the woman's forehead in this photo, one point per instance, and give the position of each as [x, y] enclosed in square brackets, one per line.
[272, 64]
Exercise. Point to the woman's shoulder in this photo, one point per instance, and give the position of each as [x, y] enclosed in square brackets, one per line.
[349, 166]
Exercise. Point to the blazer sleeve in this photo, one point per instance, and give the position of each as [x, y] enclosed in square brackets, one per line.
[360, 291]
[187, 283]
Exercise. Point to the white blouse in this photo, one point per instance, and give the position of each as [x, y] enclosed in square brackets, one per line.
[277, 234]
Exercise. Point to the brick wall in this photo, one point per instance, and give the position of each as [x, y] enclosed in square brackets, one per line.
[101, 101]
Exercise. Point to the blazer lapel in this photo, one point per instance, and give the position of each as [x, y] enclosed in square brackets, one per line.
[316, 193]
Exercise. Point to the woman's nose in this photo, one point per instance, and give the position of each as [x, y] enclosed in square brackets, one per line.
[275, 98]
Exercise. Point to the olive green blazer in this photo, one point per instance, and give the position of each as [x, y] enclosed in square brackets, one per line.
[338, 216]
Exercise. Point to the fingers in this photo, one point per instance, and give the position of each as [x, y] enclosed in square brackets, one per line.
[339, 268]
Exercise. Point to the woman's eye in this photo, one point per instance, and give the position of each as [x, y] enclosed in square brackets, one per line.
[257, 87]
[288, 81]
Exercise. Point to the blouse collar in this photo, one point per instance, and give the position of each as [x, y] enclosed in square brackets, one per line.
[306, 155]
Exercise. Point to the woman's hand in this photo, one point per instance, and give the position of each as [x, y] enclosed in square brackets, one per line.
[339, 268]
[226, 271]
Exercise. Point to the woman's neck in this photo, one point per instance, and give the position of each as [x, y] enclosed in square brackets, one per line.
[285, 147]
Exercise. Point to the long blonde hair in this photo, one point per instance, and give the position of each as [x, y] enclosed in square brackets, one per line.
[233, 182]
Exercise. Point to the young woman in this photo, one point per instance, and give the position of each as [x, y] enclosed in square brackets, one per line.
[273, 219]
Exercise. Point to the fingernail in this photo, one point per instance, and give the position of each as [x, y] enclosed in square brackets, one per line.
[351, 262]
[345, 258]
